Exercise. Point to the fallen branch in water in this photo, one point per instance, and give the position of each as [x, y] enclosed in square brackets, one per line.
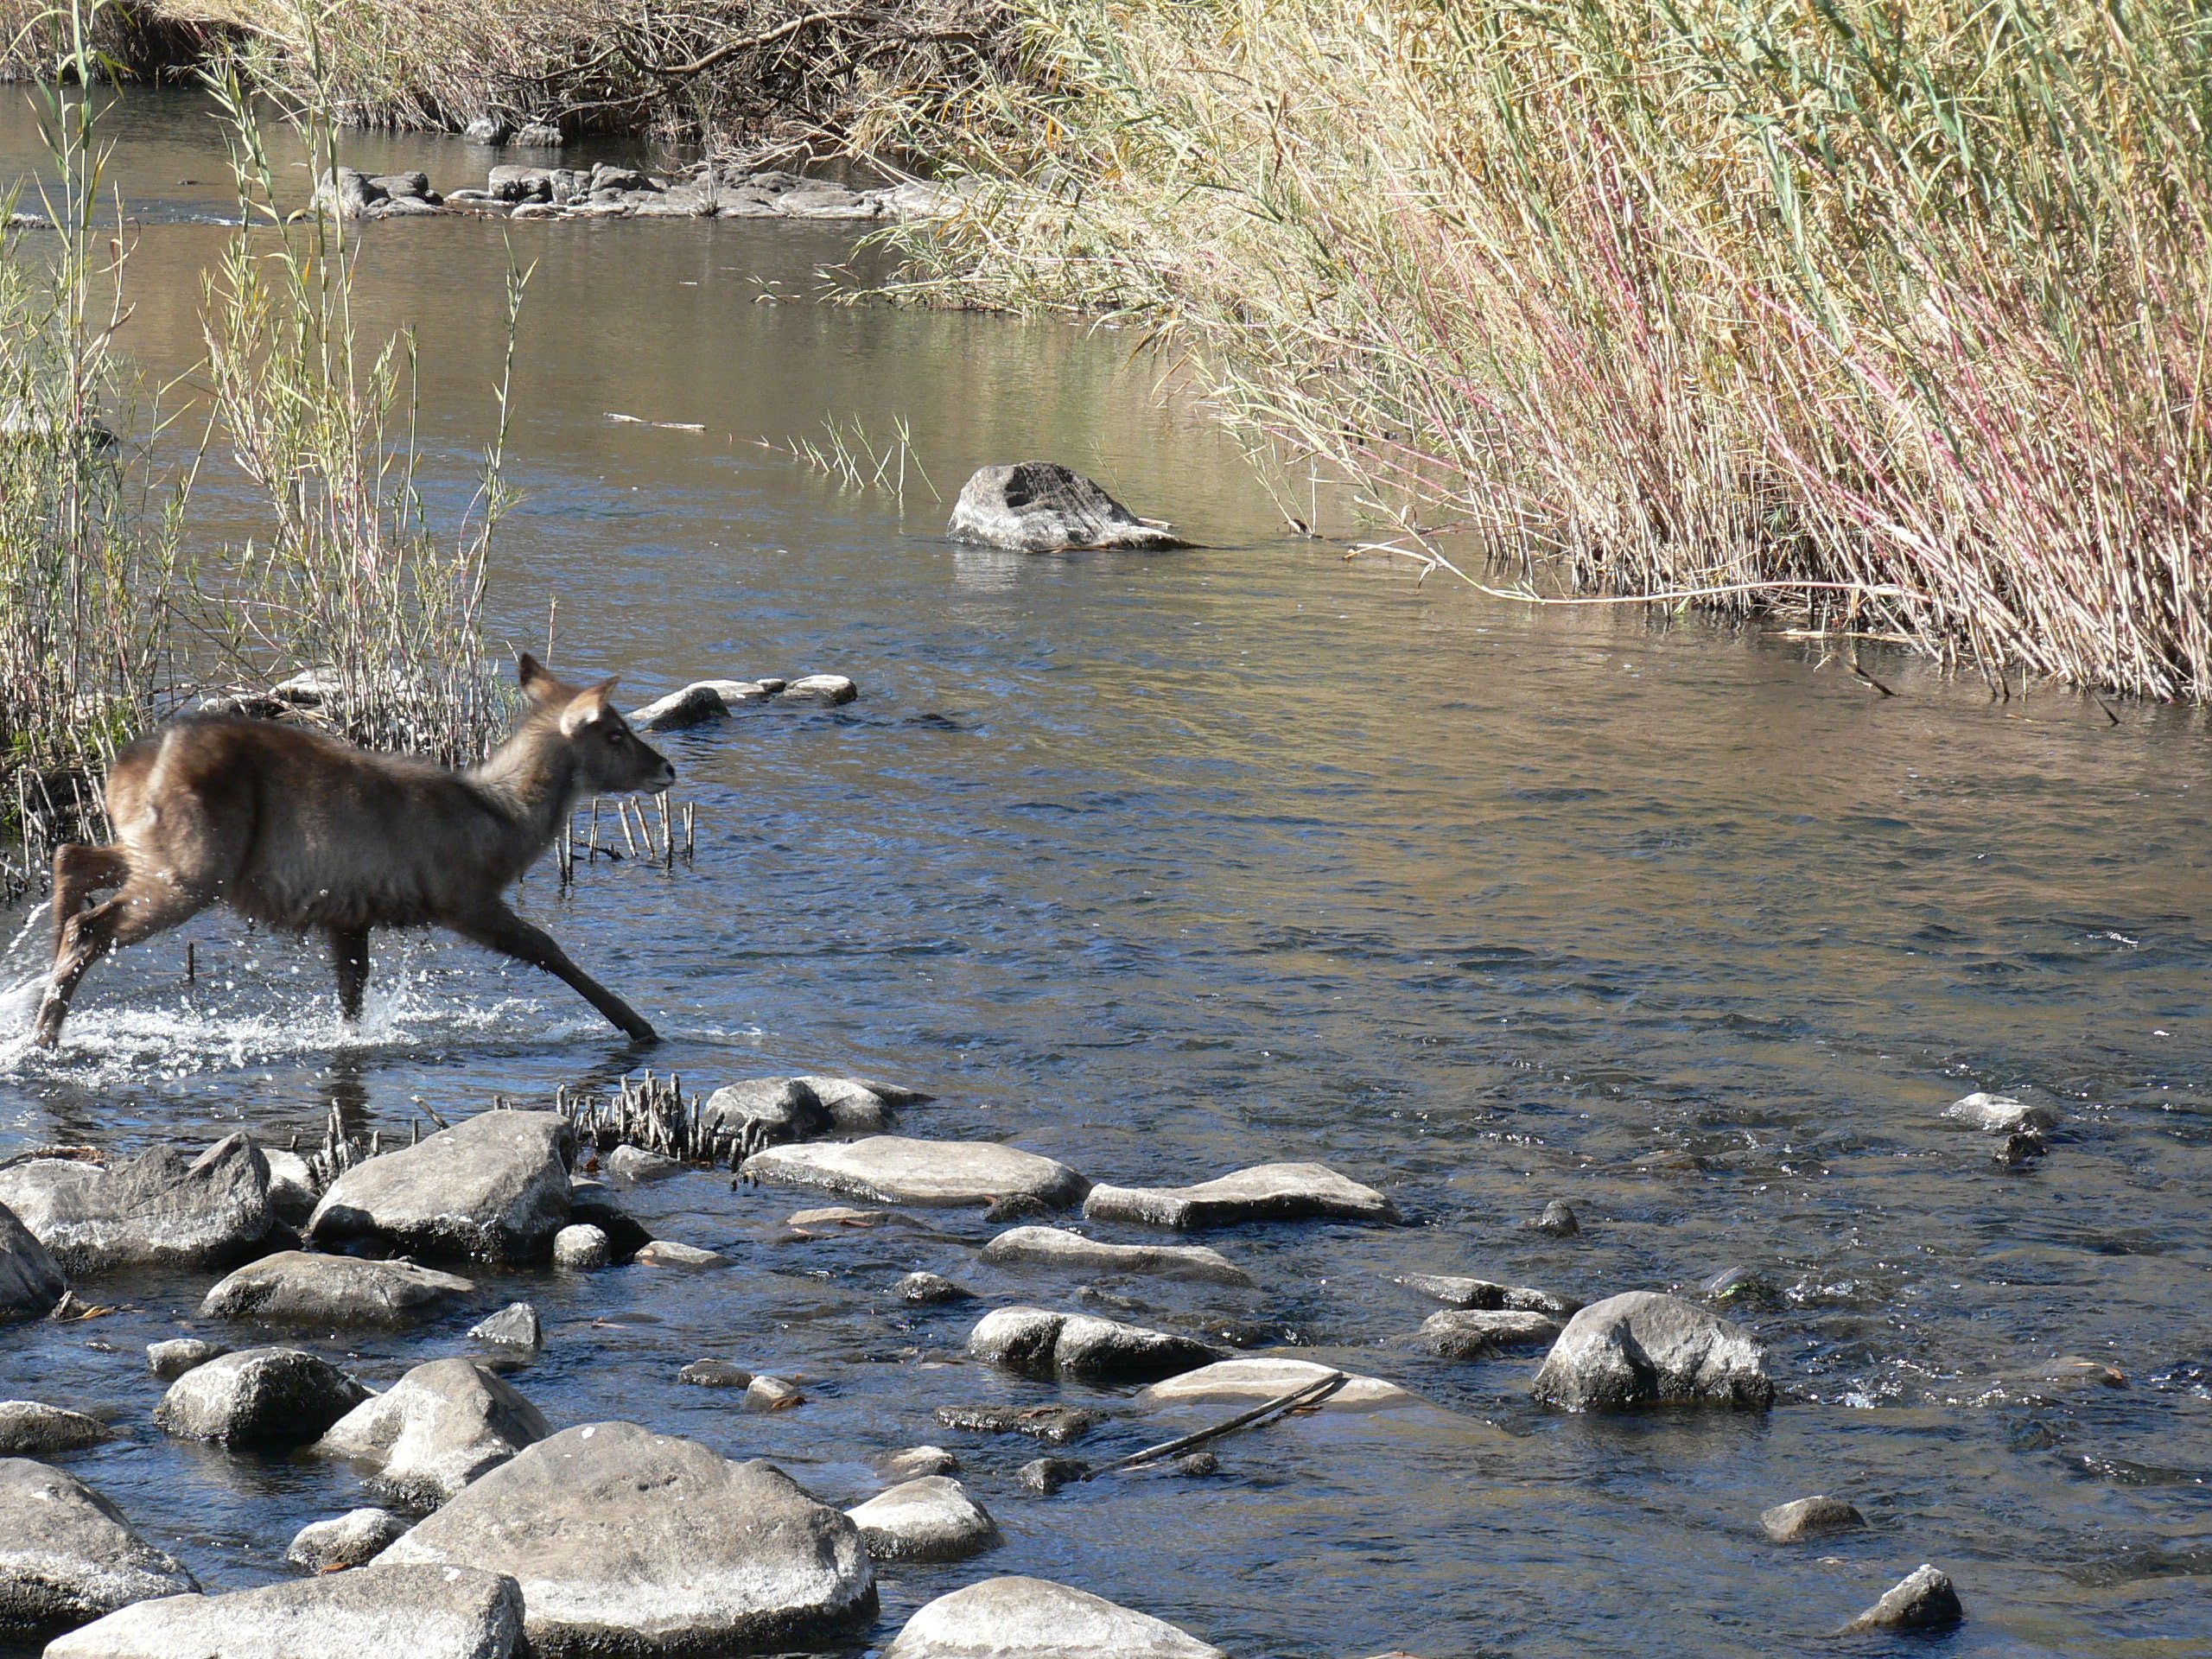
[1313, 1394]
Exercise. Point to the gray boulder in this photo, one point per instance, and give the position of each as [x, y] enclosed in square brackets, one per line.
[350, 1539]
[164, 1208]
[714, 1373]
[819, 690]
[630, 1543]
[297, 1288]
[494, 1188]
[581, 1249]
[263, 1396]
[1924, 1599]
[172, 1359]
[415, 1611]
[929, 1519]
[1473, 1333]
[673, 1252]
[66, 1554]
[854, 1107]
[539, 135]
[1035, 1618]
[30, 1279]
[1647, 1349]
[916, 1461]
[1559, 1220]
[1036, 1342]
[1809, 1517]
[488, 128]
[439, 1427]
[2001, 1115]
[1038, 506]
[636, 1164]
[516, 1326]
[764, 1111]
[348, 193]
[931, 1289]
[520, 184]
[701, 700]
[1264, 1192]
[1456, 1292]
[1055, 1246]
[892, 1169]
[29, 1429]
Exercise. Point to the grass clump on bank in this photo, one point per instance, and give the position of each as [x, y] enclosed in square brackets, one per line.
[1899, 315]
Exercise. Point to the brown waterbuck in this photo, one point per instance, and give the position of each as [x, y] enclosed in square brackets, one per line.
[299, 830]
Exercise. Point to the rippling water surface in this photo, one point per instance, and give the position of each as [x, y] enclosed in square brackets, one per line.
[1165, 865]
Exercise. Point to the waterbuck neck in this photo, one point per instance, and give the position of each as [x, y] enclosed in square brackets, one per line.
[532, 776]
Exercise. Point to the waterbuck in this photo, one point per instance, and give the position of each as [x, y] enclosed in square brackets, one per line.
[299, 830]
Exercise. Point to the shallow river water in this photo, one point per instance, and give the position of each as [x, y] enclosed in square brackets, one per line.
[1164, 865]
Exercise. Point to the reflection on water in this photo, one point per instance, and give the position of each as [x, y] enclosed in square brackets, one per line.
[1164, 865]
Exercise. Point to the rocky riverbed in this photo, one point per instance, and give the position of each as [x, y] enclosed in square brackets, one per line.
[611, 190]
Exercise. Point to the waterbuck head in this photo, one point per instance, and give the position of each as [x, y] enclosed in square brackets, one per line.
[610, 759]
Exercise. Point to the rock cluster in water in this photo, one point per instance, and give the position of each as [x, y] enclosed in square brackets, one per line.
[609, 190]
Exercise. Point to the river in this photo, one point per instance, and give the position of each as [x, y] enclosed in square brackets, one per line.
[1166, 864]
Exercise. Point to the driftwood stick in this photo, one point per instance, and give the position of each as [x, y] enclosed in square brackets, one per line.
[1298, 1398]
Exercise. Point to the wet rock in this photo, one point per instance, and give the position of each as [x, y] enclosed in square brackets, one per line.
[892, 1169]
[844, 1215]
[2072, 1368]
[488, 128]
[1249, 1333]
[2019, 1150]
[1482, 1293]
[419, 1612]
[854, 1107]
[819, 690]
[714, 1373]
[346, 193]
[1264, 1192]
[1559, 1220]
[1038, 506]
[1249, 1382]
[263, 1396]
[1740, 1285]
[29, 1429]
[291, 1187]
[1035, 1618]
[764, 1111]
[348, 1540]
[516, 1325]
[592, 1203]
[1646, 1348]
[30, 1279]
[670, 1253]
[493, 1188]
[580, 1249]
[1924, 1599]
[929, 1519]
[539, 135]
[1197, 1464]
[520, 184]
[1476, 1334]
[439, 1427]
[1809, 1517]
[2000, 1114]
[1054, 1425]
[636, 1164]
[773, 1394]
[68, 1555]
[931, 1289]
[172, 1359]
[1046, 1476]
[916, 1461]
[1036, 1342]
[165, 1208]
[697, 703]
[297, 1288]
[628, 1542]
[1055, 1246]
[405, 185]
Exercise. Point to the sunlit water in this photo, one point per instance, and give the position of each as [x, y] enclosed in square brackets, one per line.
[1166, 865]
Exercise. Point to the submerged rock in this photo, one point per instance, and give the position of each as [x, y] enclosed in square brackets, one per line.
[928, 1519]
[1264, 1192]
[1993, 1114]
[493, 1188]
[172, 1359]
[297, 1288]
[626, 1542]
[263, 1396]
[819, 690]
[1054, 1425]
[1249, 1382]
[1055, 1247]
[714, 1373]
[892, 1169]
[29, 1429]
[1473, 1333]
[1646, 1348]
[1924, 1599]
[164, 1208]
[1035, 1618]
[931, 1289]
[30, 1279]
[1039, 507]
[398, 1612]
[348, 1540]
[1037, 1342]
[1482, 1293]
[68, 1555]
[670, 1253]
[439, 1427]
[1559, 1220]
[1809, 1517]
[1046, 1476]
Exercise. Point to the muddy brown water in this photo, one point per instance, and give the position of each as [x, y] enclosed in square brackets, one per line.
[1164, 865]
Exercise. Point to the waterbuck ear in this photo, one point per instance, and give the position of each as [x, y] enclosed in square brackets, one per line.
[536, 683]
[585, 707]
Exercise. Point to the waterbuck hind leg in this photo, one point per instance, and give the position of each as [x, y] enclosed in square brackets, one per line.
[501, 930]
[79, 872]
[349, 956]
[143, 909]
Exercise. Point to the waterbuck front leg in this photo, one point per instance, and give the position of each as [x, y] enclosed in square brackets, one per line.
[147, 905]
[79, 872]
[500, 929]
[349, 956]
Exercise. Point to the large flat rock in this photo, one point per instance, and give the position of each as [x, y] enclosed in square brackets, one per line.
[369, 1612]
[68, 1555]
[1249, 1382]
[630, 1543]
[1040, 1342]
[1040, 506]
[928, 1519]
[1055, 1247]
[439, 1427]
[893, 1169]
[31, 1429]
[1035, 1618]
[1263, 1193]
[164, 1208]
[259, 1396]
[1644, 1348]
[30, 1279]
[494, 1188]
[297, 1287]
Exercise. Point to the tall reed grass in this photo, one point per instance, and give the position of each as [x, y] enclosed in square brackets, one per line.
[1895, 315]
